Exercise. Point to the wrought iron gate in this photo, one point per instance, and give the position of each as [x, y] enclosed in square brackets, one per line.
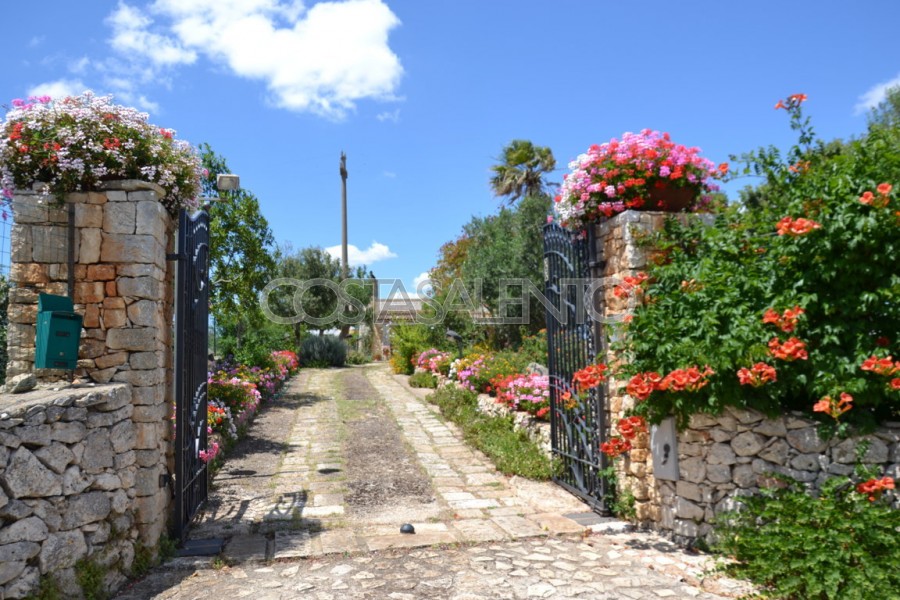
[576, 428]
[191, 347]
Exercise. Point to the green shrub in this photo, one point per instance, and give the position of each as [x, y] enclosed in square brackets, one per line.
[408, 341]
[710, 286]
[838, 545]
[354, 357]
[423, 380]
[512, 452]
[90, 576]
[323, 351]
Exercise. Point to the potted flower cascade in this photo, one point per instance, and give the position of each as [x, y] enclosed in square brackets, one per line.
[75, 143]
[642, 171]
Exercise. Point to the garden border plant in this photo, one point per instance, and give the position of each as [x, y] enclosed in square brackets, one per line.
[782, 302]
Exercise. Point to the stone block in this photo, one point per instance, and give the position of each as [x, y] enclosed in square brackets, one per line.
[74, 481]
[747, 443]
[69, 433]
[91, 316]
[18, 551]
[30, 529]
[721, 454]
[26, 477]
[109, 302]
[124, 248]
[140, 287]
[147, 436]
[98, 451]
[146, 313]
[688, 490]
[152, 219]
[38, 435]
[111, 288]
[89, 249]
[111, 360]
[685, 509]
[148, 395]
[771, 428]
[150, 509]
[55, 456]
[85, 508]
[21, 244]
[88, 215]
[133, 340]
[146, 360]
[718, 473]
[141, 270]
[50, 244]
[806, 440]
[101, 272]
[845, 452]
[89, 291]
[141, 378]
[121, 436]
[776, 452]
[97, 419]
[62, 550]
[119, 217]
[693, 469]
[103, 375]
[20, 334]
[114, 318]
[29, 273]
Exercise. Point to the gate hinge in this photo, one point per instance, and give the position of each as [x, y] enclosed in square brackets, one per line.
[597, 264]
[164, 479]
[175, 256]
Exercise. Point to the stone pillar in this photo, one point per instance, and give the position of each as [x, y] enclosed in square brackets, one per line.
[124, 288]
[618, 248]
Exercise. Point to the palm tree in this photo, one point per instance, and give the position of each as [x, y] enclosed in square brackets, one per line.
[522, 171]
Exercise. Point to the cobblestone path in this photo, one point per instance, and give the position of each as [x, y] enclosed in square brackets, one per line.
[312, 508]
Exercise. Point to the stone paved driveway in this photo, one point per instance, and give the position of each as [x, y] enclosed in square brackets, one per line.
[290, 531]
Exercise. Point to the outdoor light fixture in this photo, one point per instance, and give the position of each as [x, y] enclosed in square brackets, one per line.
[228, 182]
[452, 335]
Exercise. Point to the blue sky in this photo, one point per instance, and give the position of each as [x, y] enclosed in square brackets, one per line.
[422, 95]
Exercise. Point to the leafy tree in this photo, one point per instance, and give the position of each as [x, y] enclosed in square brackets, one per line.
[321, 274]
[241, 253]
[887, 113]
[522, 170]
[508, 246]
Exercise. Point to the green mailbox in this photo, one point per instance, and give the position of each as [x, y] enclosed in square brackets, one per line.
[58, 333]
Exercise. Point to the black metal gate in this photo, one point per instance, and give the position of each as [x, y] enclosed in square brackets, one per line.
[577, 428]
[191, 348]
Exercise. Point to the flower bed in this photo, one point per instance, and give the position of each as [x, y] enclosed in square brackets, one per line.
[235, 394]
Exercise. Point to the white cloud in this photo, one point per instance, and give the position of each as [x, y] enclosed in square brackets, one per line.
[321, 60]
[36, 41]
[79, 66]
[422, 283]
[131, 36]
[389, 174]
[392, 116]
[58, 89]
[357, 257]
[875, 96]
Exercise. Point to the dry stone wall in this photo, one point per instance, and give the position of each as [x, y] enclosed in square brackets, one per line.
[75, 486]
[724, 457]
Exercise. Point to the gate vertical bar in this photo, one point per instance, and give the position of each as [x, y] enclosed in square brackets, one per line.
[191, 350]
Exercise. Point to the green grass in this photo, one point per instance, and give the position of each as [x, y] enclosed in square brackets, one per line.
[511, 451]
[423, 380]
